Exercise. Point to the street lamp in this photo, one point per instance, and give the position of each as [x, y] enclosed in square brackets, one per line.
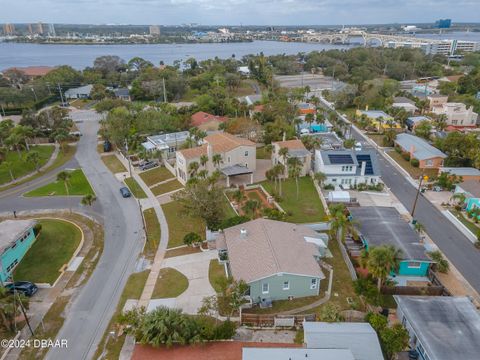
[422, 179]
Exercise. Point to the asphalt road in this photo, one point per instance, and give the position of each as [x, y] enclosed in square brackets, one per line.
[90, 312]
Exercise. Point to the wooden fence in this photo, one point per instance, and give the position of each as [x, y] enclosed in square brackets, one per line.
[414, 290]
[268, 320]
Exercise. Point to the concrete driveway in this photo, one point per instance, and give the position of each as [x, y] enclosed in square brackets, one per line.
[195, 268]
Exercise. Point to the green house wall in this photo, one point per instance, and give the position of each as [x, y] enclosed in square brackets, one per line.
[299, 287]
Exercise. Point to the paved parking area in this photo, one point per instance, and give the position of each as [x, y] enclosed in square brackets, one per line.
[195, 268]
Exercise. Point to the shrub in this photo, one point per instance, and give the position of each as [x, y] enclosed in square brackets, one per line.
[192, 239]
[329, 187]
[398, 149]
[378, 322]
[441, 263]
[415, 162]
[37, 228]
[406, 156]
[235, 220]
[225, 330]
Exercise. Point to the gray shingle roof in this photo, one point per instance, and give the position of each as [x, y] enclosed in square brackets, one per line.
[472, 187]
[385, 226]
[422, 149]
[448, 327]
[360, 338]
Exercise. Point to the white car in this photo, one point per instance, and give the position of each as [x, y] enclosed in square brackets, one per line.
[304, 132]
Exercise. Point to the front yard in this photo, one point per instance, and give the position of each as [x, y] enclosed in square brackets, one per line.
[170, 284]
[135, 188]
[414, 172]
[216, 272]
[77, 185]
[156, 175]
[152, 228]
[307, 208]
[53, 249]
[113, 164]
[166, 187]
[469, 224]
[180, 224]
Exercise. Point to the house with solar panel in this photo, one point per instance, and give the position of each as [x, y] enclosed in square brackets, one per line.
[348, 167]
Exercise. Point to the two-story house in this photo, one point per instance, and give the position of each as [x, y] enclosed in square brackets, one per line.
[296, 149]
[457, 115]
[16, 237]
[231, 155]
[346, 168]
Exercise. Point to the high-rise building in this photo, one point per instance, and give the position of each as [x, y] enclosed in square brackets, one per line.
[39, 28]
[443, 23]
[51, 30]
[8, 29]
[154, 30]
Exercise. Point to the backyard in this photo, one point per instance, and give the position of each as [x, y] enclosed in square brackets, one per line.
[241, 205]
[414, 172]
[113, 164]
[170, 284]
[156, 175]
[180, 224]
[307, 208]
[135, 188]
[53, 249]
[77, 185]
[19, 166]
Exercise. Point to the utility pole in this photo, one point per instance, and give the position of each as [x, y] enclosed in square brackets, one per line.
[61, 96]
[128, 158]
[164, 91]
[422, 178]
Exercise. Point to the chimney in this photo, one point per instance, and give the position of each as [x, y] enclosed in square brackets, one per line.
[243, 233]
[364, 165]
[412, 150]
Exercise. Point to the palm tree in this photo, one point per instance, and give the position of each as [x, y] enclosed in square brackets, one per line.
[251, 207]
[320, 177]
[238, 196]
[294, 170]
[203, 160]
[419, 227]
[459, 197]
[217, 160]
[65, 176]
[10, 307]
[33, 157]
[88, 200]
[382, 260]
[15, 142]
[278, 171]
[9, 165]
[309, 118]
[283, 153]
[203, 174]
[193, 168]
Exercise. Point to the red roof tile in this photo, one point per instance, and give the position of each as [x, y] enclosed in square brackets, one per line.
[201, 117]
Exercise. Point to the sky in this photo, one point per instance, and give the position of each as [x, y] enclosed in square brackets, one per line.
[237, 12]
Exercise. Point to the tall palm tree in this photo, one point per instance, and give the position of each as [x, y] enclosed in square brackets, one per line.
[382, 260]
[294, 170]
[309, 118]
[283, 153]
[14, 141]
[320, 177]
[217, 160]
[65, 176]
[193, 168]
[33, 157]
[251, 207]
[278, 171]
[9, 165]
[203, 160]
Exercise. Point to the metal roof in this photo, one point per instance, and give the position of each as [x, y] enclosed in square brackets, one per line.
[422, 150]
[82, 90]
[360, 338]
[375, 114]
[461, 171]
[448, 327]
[236, 170]
[11, 230]
[249, 353]
[385, 226]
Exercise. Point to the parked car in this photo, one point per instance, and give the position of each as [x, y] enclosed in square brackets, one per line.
[125, 192]
[148, 165]
[26, 287]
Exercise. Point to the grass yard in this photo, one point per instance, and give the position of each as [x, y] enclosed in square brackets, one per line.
[469, 224]
[156, 175]
[78, 185]
[378, 138]
[185, 250]
[19, 166]
[307, 208]
[53, 248]
[170, 284]
[414, 172]
[136, 189]
[180, 224]
[166, 187]
[216, 271]
[153, 232]
[228, 210]
[113, 164]
[262, 153]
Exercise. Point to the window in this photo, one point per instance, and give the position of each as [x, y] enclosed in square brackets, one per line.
[313, 284]
[246, 153]
[429, 162]
[265, 288]
[414, 265]
[228, 159]
[286, 285]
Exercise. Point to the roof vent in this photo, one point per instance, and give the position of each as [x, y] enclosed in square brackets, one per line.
[243, 233]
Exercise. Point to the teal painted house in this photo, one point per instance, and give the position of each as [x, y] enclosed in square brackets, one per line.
[277, 260]
[16, 237]
[379, 226]
[471, 190]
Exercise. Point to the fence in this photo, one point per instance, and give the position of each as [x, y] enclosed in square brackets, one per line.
[267, 320]
[414, 290]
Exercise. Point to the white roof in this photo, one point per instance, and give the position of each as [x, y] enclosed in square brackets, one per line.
[250, 353]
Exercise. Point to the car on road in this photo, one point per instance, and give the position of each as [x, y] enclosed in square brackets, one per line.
[26, 287]
[125, 192]
[148, 165]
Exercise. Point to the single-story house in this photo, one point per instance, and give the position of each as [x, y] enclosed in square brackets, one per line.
[463, 173]
[168, 144]
[441, 327]
[413, 121]
[122, 94]
[16, 237]
[384, 226]
[237, 157]
[278, 260]
[32, 72]
[379, 119]
[404, 103]
[296, 149]
[306, 108]
[348, 167]
[244, 70]
[207, 122]
[471, 190]
[359, 338]
[82, 92]
[418, 148]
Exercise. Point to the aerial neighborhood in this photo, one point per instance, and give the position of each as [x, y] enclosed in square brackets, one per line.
[321, 205]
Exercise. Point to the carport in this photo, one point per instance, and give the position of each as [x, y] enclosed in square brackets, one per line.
[236, 170]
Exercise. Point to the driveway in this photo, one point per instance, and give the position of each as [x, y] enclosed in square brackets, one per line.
[195, 268]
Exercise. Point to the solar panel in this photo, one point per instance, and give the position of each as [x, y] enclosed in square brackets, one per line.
[340, 159]
[368, 165]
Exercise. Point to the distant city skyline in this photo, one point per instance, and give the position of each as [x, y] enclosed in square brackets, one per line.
[237, 12]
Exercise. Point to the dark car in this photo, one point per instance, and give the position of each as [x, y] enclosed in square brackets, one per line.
[26, 287]
[148, 165]
[125, 192]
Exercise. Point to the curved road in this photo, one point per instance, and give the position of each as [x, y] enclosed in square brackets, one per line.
[92, 307]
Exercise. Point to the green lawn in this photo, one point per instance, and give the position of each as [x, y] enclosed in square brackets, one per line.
[262, 153]
[78, 185]
[136, 189]
[469, 224]
[170, 283]
[113, 164]
[307, 208]
[216, 271]
[153, 232]
[414, 172]
[227, 209]
[180, 224]
[166, 187]
[156, 175]
[53, 248]
[19, 166]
